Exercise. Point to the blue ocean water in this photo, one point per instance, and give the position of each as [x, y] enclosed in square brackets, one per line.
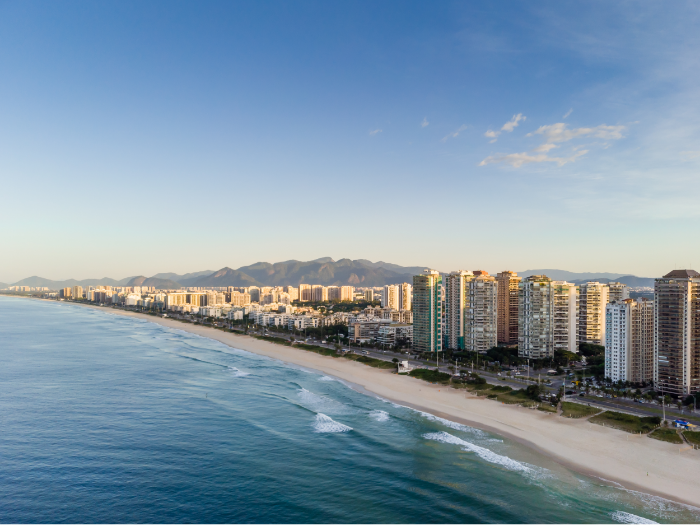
[105, 418]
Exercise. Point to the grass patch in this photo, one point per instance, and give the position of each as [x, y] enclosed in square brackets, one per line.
[376, 363]
[692, 437]
[516, 397]
[432, 376]
[626, 422]
[666, 434]
[546, 407]
[575, 411]
[312, 348]
[276, 340]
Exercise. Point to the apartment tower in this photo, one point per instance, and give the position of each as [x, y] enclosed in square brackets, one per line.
[405, 296]
[618, 292]
[427, 311]
[456, 301]
[629, 340]
[507, 332]
[593, 298]
[481, 313]
[677, 333]
[390, 296]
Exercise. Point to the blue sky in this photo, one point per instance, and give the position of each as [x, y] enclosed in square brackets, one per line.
[141, 137]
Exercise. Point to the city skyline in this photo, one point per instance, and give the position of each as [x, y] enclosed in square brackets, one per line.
[144, 128]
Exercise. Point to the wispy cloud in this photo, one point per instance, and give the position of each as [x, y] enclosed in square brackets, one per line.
[375, 131]
[507, 127]
[518, 159]
[568, 113]
[455, 133]
[559, 133]
[425, 122]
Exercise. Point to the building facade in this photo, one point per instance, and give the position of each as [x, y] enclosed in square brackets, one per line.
[427, 312]
[456, 303]
[629, 341]
[481, 314]
[390, 296]
[508, 283]
[677, 333]
[617, 292]
[593, 298]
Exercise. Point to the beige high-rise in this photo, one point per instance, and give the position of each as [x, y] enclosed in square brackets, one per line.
[617, 292]
[593, 297]
[508, 307]
[629, 341]
[405, 296]
[305, 292]
[481, 314]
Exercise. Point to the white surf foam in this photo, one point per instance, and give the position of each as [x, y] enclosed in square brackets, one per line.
[325, 424]
[237, 373]
[625, 517]
[452, 424]
[326, 378]
[379, 415]
[322, 403]
[483, 453]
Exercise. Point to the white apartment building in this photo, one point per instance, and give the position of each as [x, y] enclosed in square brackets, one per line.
[347, 293]
[629, 341]
[395, 333]
[405, 296]
[481, 314]
[547, 317]
[456, 302]
[390, 296]
[593, 298]
[319, 293]
[618, 292]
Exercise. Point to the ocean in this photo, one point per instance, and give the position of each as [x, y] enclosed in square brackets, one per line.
[105, 418]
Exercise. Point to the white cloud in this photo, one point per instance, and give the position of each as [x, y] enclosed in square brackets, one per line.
[544, 148]
[513, 123]
[559, 133]
[425, 122]
[518, 159]
[375, 131]
[455, 133]
[568, 113]
[507, 127]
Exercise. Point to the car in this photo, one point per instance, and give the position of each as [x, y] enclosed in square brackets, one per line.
[582, 394]
[569, 392]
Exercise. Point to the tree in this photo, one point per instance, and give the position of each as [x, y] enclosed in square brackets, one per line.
[394, 360]
[533, 392]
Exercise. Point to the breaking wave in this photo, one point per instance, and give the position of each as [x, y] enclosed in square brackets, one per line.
[379, 415]
[483, 453]
[325, 424]
[237, 373]
[625, 517]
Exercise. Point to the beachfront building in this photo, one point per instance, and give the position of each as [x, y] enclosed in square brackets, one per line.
[593, 298]
[456, 302]
[677, 333]
[405, 296]
[547, 317]
[77, 292]
[427, 311]
[481, 313]
[629, 340]
[507, 330]
[395, 334]
[617, 292]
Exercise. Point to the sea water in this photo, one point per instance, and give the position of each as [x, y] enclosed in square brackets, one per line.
[106, 418]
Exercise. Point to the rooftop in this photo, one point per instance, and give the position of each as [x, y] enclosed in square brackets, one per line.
[682, 274]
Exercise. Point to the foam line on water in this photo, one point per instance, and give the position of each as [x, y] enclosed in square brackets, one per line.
[483, 453]
[625, 517]
[317, 403]
[325, 424]
[235, 372]
[452, 424]
[379, 415]
[326, 378]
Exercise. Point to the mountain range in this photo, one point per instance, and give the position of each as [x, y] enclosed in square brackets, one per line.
[324, 271]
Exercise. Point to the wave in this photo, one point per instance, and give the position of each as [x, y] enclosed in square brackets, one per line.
[326, 378]
[237, 373]
[317, 403]
[452, 424]
[483, 453]
[379, 415]
[625, 517]
[325, 424]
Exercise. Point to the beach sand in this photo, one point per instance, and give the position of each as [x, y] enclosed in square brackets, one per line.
[635, 462]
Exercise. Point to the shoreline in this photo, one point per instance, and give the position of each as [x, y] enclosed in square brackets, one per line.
[636, 463]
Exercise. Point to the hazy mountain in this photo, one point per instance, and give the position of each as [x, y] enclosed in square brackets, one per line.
[56, 285]
[563, 275]
[3, 285]
[162, 284]
[224, 277]
[413, 270]
[184, 277]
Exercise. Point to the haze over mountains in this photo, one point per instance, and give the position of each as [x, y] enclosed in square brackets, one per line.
[324, 271]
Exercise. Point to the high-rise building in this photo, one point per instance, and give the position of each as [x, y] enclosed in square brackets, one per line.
[66, 292]
[677, 333]
[547, 317]
[390, 296]
[593, 297]
[319, 293]
[305, 292]
[293, 292]
[508, 307]
[347, 293]
[427, 314]
[618, 292]
[334, 293]
[405, 296]
[456, 301]
[254, 292]
[629, 340]
[481, 313]
[369, 296]
[77, 292]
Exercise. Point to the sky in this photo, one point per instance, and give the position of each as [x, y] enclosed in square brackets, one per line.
[145, 137]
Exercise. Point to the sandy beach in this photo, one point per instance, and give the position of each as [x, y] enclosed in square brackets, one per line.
[636, 462]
